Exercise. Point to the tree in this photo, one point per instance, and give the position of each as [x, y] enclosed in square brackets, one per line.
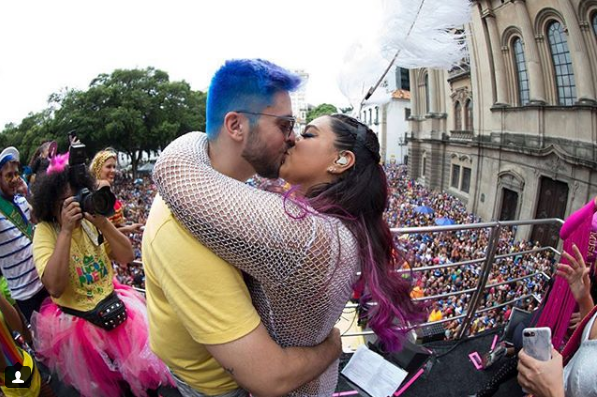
[133, 111]
[130, 110]
[321, 110]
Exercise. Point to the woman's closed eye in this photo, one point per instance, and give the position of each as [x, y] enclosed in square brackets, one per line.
[307, 135]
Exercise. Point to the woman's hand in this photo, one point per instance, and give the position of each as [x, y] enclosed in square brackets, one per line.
[541, 378]
[576, 273]
[98, 221]
[136, 228]
[70, 214]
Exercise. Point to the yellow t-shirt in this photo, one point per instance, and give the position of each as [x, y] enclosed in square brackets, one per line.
[435, 315]
[90, 268]
[194, 298]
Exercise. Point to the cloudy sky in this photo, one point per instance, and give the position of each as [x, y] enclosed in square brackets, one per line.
[51, 44]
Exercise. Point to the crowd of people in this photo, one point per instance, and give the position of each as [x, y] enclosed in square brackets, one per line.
[413, 205]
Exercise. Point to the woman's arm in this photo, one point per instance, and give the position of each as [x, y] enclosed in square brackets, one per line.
[55, 276]
[11, 316]
[122, 250]
[247, 227]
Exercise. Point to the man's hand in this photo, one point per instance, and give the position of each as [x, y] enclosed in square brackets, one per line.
[70, 214]
[335, 340]
[576, 273]
[541, 378]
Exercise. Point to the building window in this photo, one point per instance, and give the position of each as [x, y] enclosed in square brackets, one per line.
[406, 113]
[595, 23]
[370, 116]
[455, 176]
[562, 64]
[458, 117]
[402, 79]
[521, 71]
[427, 99]
[376, 115]
[468, 120]
[424, 165]
[466, 179]
[364, 117]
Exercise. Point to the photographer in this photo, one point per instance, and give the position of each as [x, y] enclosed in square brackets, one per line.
[93, 332]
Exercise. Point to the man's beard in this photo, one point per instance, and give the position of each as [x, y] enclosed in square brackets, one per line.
[256, 154]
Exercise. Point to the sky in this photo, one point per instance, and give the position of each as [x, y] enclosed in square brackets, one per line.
[48, 45]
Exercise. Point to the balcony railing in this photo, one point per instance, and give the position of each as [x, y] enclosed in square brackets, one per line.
[486, 264]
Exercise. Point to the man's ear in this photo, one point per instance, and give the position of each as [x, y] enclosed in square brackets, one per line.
[233, 126]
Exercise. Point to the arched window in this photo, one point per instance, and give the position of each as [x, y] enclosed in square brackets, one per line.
[427, 107]
[562, 64]
[458, 116]
[370, 116]
[468, 121]
[595, 23]
[521, 72]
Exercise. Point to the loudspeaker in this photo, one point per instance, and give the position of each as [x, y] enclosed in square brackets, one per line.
[410, 358]
[431, 333]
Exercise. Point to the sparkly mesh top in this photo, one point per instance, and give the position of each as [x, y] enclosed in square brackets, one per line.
[300, 271]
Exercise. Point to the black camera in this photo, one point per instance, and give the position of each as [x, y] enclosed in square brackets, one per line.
[100, 202]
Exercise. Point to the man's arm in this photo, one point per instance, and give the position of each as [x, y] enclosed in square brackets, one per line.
[263, 368]
[213, 304]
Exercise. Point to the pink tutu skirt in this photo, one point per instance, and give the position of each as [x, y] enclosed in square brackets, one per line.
[96, 361]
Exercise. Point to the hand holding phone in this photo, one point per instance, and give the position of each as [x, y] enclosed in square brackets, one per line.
[537, 343]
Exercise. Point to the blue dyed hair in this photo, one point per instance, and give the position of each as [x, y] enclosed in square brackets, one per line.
[245, 84]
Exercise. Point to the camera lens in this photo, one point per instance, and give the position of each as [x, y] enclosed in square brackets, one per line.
[101, 202]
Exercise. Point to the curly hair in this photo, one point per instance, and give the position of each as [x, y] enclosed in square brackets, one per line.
[48, 189]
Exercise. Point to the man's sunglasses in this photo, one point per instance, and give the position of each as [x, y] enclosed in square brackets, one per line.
[287, 127]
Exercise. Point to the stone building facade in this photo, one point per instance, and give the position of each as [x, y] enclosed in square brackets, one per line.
[513, 131]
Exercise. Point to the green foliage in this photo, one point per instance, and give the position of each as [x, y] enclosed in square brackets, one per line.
[321, 110]
[130, 110]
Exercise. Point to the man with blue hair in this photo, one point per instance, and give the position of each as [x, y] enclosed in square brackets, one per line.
[201, 318]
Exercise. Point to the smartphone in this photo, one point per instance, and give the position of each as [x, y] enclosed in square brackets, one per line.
[537, 343]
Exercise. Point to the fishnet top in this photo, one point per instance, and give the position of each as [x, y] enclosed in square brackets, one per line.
[301, 271]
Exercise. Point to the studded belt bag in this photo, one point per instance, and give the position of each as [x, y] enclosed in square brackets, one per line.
[108, 314]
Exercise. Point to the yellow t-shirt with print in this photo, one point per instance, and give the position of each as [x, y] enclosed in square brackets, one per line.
[194, 298]
[90, 268]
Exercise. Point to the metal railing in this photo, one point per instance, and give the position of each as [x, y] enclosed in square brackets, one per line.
[472, 308]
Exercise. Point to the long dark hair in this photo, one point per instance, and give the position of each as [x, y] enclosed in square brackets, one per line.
[362, 194]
